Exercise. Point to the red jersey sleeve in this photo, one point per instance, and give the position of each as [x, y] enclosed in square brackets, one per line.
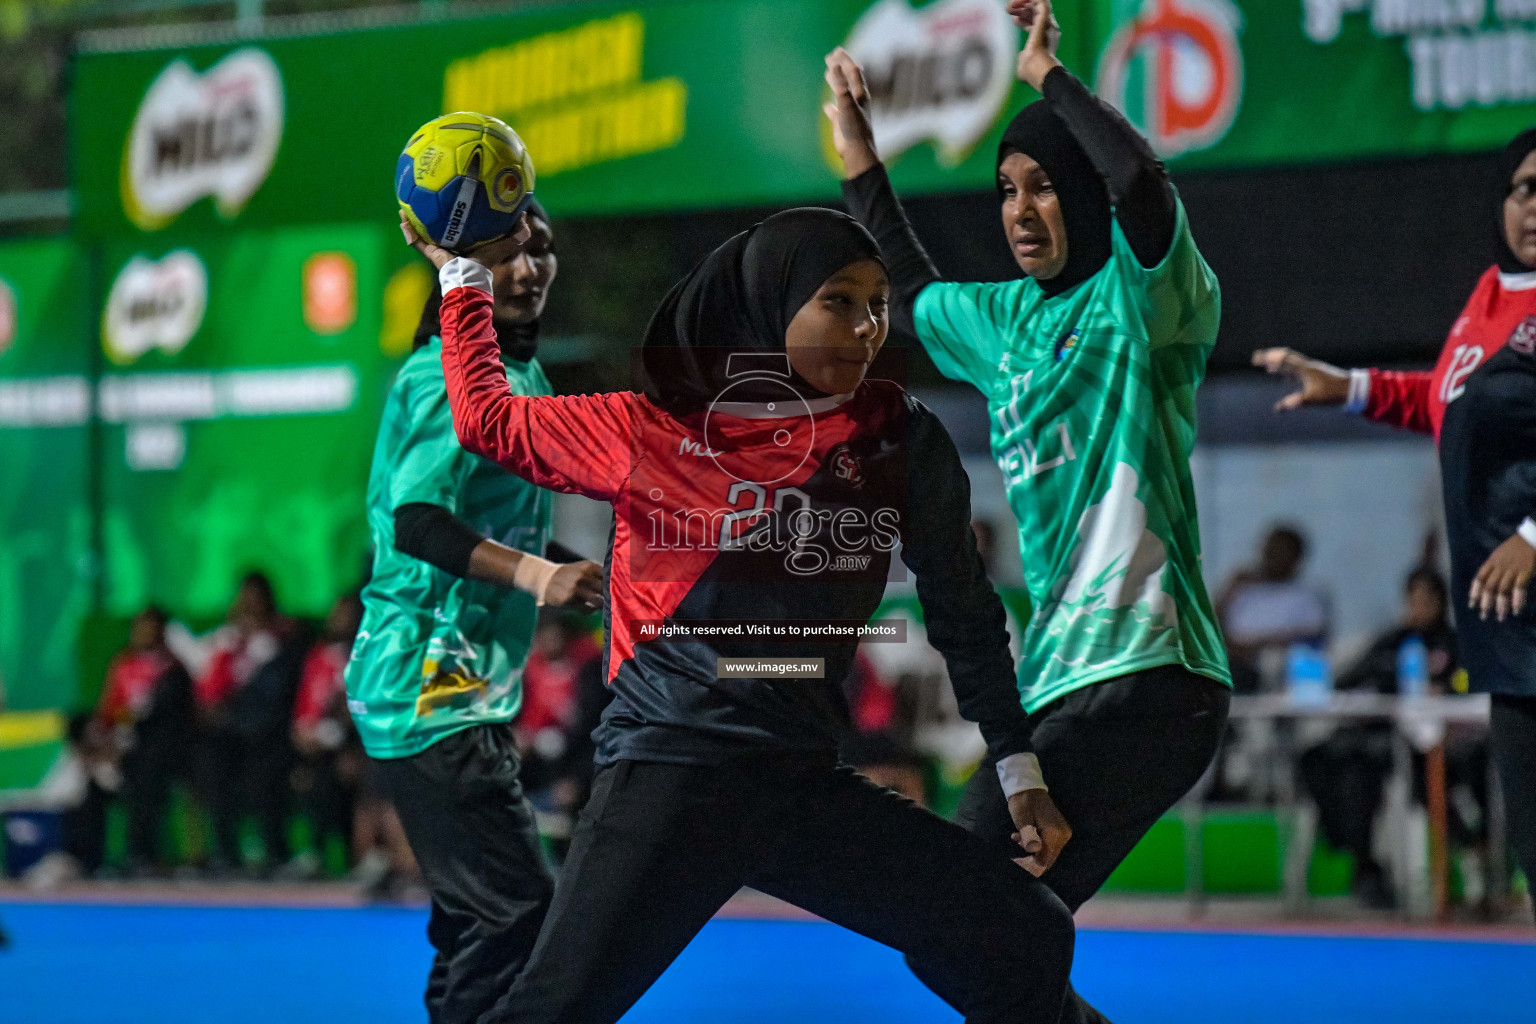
[1400, 399]
[580, 444]
[315, 690]
[112, 708]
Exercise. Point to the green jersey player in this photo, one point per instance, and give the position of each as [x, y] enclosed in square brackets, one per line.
[436, 671]
[1089, 365]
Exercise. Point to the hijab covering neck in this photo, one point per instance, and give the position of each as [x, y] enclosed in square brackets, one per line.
[1510, 160]
[728, 317]
[518, 342]
[1038, 133]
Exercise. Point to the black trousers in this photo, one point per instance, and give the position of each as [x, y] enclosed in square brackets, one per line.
[659, 848]
[85, 828]
[242, 772]
[326, 797]
[1346, 775]
[1116, 756]
[149, 770]
[473, 832]
[1513, 739]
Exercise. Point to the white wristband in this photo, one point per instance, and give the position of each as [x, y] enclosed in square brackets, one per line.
[1359, 391]
[1527, 531]
[1018, 772]
[461, 272]
[533, 575]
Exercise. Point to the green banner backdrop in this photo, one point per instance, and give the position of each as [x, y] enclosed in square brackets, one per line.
[1243, 82]
[243, 387]
[698, 103]
[45, 554]
[688, 103]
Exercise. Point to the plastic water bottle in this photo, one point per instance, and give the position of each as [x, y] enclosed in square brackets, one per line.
[1412, 667]
[1306, 674]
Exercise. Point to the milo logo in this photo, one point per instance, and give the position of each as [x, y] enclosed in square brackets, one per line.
[154, 304]
[211, 134]
[1176, 71]
[942, 74]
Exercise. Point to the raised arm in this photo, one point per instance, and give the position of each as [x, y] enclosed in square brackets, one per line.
[867, 189]
[575, 443]
[1145, 203]
[967, 625]
[580, 444]
[948, 321]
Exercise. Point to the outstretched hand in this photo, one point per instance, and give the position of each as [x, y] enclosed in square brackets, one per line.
[1321, 383]
[853, 133]
[489, 254]
[1038, 58]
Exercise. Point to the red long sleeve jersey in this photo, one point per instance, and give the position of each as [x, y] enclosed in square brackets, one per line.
[1495, 315]
[323, 685]
[1480, 404]
[778, 515]
[132, 680]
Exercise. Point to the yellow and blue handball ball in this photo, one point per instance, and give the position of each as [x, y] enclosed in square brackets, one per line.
[464, 180]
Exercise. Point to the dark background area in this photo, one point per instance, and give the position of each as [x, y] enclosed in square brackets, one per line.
[1360, 264]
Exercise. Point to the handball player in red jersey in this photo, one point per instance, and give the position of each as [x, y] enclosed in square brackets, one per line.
[1479, 403]
[759, 479]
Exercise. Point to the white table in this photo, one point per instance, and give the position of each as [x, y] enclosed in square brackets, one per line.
[1420, 722]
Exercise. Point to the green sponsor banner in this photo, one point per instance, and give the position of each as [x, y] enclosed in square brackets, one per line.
[1220, 83]
[244, 377]
[699, 103]
[45, 528]
[663, 105]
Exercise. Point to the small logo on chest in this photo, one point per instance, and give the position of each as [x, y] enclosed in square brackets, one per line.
[1523, 338]
[1067, 343]
[845, 466]
[695, 448]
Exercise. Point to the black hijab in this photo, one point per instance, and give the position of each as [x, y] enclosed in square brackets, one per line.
[519, 342]
[1513, 156]
[1039, 134]
[741, 298]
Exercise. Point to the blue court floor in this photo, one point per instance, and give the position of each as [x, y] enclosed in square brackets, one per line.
[75, 964]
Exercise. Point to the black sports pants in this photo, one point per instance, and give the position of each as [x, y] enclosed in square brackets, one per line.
[660, 847]
[149, 769]
[1116, 756]
[247, 771]
[1513, 738]
[473, 833]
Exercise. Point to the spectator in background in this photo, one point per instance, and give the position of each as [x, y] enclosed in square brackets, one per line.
[245, 699]
[565, 663]
[1267, 608]
[146, 712]
[1425, 616]
[99, 780]
[81, 785]
[385, 866]
[1346, 773]
[330, 755]
[563, 700]
[879, 745]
